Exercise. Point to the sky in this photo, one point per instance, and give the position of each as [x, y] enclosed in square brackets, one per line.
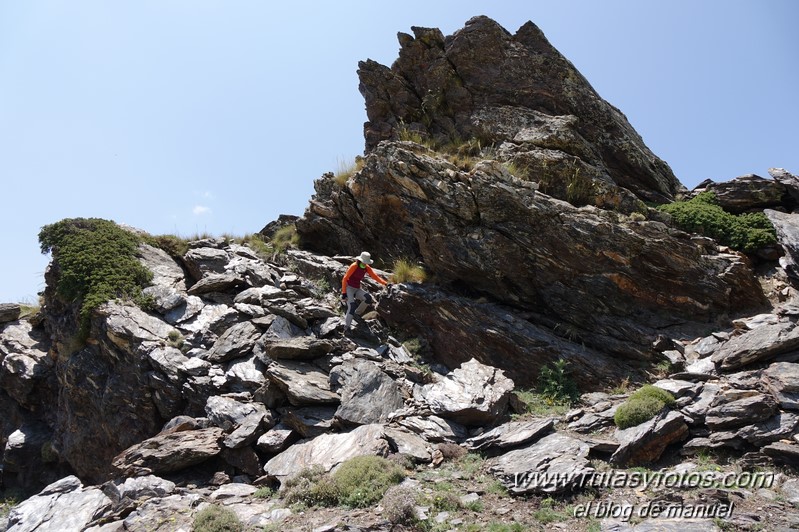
[197, 116]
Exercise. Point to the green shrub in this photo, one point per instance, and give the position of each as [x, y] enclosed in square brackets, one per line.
[98, 263]
[555, 384]
[642, 405]
[363, 480]
[215, 518]
[286, 237]
[264, 493]
[359, 482]
[702, 214]
[404, 271]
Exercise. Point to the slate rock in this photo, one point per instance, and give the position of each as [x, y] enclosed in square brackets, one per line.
[171, 452]
[9, 312]
[276, 439]
[561, 460]
[728, 411]
[303, 383]
[215, 282]
[297, 348]
[228, 412]
[139, 488]
[756, 345]
[644, 443]
[473, 394]
[310, 421]
[61, 506]
[435, 429]
[368, 395]
[782, 380]
[203, 260]
[511, 434]
[235, 342]
[328, 451]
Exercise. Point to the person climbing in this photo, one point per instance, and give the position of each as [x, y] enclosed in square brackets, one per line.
[351, 290]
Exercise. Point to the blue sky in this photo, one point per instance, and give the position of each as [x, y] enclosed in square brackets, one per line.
[216, 116]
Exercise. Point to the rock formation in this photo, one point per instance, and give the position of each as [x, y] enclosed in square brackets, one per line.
[239, 374]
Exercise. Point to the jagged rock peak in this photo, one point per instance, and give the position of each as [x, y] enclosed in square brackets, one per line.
[513, 91]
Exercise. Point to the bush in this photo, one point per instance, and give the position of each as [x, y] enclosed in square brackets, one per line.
[702, 214]
[404, 271]
[363, 480]
[98, 263]
[359, 482]
[215, 518]
[555, 384]
[642, 405]
[399, 504]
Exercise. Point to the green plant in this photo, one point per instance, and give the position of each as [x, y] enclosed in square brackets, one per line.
[404, 271]
[364, 479]
[516, 170]
[470, 464]
[286, 237]
[399, 504]
[555, 384]
[97, 261]
[264, 493]
[580, 189]
[256, 242]
[346, 170]
[359, 482]
[702, 214]
[445, 501]
[175, 339]
[642, 405]
[215, 518]
[413, 345]
[175, 246]
[408, 135]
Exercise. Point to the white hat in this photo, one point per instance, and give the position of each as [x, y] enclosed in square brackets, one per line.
[365, 257]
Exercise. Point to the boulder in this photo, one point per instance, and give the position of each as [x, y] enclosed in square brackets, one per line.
[235, 342]
[216, 282]
[276, 439]
[405, 442]
[297, 348]
[512, 434]
[757, 345]
[787, 228]
[139, 488]
[368, 395]
[787, 180]
[26, 369]
[204, 260]
[302, 383]
[734, 410]
[166, 271]
[328, 451]
[435, 429]
[783, 453]
[745, 193]
[171, 452]
[9, 312]
[228, 412]
[473, 394]
[173, 512]
[310, 421]
[644, 443]
[553, 464]
[782, 380]
[63, 505]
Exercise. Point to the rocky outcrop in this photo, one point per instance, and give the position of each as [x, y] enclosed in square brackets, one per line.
[746, 193]
[516, 91]
[609, 281]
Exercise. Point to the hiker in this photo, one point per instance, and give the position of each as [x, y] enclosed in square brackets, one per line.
[351, 290]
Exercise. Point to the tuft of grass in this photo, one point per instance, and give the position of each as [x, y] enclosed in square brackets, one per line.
[256, 243]
[98, 263]
[405, 271]
[358, 483]
[216, 518]
[404, 133]
[644, 404]
[175, 246]
[286, 237]
[702, 214]
[345, 170]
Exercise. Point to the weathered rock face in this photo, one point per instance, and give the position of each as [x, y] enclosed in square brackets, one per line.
[612, 281]
[745, 193]
[515, 90]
